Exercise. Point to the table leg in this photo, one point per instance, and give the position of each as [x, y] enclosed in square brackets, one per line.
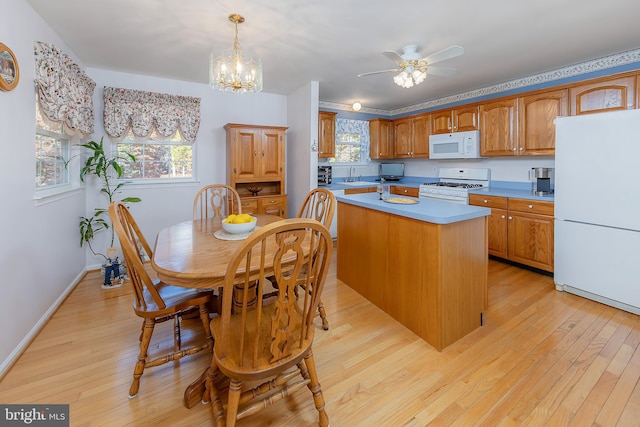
[194, 392]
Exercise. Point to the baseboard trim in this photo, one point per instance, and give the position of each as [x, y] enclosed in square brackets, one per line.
[13, 357]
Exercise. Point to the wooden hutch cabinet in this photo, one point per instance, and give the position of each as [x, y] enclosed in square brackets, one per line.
[381, 139]
[255, 159]
[326, 134]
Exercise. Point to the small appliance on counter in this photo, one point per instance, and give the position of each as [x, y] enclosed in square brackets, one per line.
[391, 171]
[541, 181]
[324, 175]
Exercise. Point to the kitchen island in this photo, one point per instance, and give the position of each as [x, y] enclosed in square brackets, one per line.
[425, 264]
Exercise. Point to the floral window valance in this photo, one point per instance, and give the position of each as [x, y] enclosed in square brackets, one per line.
[64, 90]
[141, 113]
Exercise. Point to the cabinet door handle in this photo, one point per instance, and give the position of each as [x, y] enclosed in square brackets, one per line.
[513, 149]
[521, 148]
[502, 217]
[486, 201]
[510, 217]
[530, 206]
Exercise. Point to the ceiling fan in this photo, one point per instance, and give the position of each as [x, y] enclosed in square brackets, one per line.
[413, 68]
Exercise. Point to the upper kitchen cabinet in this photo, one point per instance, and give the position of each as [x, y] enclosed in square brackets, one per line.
[255, 158]
[459, 119]
[603, 95]
[411, 136]
[497, 121]
[381, 139]
[326, 134]
[536, 113]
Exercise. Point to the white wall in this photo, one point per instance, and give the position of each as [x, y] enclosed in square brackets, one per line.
[302, 161]
[39, 256]
[502, 169]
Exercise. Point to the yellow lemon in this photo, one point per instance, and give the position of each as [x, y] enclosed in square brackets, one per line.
[230, 219]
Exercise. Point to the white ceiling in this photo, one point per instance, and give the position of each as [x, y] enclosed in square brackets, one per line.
[332, 41]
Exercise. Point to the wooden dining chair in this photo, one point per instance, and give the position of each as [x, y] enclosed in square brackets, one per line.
[155, 301]
[216, 200]
[320, 205]
[270, 344]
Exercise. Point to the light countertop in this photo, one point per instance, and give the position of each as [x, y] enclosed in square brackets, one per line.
[428, 210]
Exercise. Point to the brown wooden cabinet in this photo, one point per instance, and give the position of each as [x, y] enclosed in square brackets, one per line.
[256, 158]
[360, 190]
[607, 94]
[411, 136]
[459, 119]
[326, 134]
[536, 115]
[498, 124]
[381, 139]
[404, 191]
[520, 230]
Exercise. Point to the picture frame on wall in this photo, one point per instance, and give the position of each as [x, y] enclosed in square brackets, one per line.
[9, 69]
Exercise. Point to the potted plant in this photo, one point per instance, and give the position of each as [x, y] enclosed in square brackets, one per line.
[105, 168]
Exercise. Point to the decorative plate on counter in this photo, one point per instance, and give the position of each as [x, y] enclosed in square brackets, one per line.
[401, 200]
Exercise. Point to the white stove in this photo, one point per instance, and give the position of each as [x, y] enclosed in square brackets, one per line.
[454, 184]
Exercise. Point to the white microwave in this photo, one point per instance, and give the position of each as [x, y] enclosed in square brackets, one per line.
[458, 145]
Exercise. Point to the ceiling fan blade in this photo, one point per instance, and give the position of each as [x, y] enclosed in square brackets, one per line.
[394, 56]
[448, 53]
[440, 71]
[379, 72]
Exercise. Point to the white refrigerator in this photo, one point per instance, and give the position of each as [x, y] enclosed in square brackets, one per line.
[597, 207]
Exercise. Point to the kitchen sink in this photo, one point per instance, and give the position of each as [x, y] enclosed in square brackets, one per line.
[360, 183]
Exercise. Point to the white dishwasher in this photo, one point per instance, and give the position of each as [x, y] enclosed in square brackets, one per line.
[334, 224]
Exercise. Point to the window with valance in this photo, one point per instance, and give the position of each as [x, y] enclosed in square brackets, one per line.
[64, 90]
[139, 114]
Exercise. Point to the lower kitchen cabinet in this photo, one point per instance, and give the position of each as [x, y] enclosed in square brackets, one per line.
[519, 230]
[404, 191]
[269, 205]
[360, 190]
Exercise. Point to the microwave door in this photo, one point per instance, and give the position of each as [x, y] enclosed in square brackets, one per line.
[446, 149]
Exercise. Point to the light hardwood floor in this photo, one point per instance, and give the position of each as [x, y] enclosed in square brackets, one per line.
[542, 358]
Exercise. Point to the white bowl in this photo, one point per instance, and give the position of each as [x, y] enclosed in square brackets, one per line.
[239, 228]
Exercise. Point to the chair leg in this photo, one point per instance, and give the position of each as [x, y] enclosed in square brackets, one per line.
[177, 339]
[147, 331]
[323, 316]
[204, 316]
[235, 389]
[214, 395]
[316, 390]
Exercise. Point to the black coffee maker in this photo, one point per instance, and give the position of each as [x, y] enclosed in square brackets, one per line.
[541, 181]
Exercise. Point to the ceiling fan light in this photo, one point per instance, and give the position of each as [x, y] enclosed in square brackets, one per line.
[418, 76]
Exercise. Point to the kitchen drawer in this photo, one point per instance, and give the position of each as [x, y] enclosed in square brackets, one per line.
[275, 205]
[488, 201]
[405, 191]
[249, 206]
[360, 190]
[531, 206]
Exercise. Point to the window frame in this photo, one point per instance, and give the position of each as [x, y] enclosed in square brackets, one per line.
[155, 139]
[365, 139]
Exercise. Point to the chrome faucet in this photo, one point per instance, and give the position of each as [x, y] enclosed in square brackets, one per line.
[352, 170]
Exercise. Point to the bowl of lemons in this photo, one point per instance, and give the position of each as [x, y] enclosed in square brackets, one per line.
[239, 224]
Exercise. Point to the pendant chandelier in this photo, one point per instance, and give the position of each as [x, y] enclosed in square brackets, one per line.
[232, 70]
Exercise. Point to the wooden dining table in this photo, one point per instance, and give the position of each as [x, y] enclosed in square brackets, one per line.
[188, 254]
